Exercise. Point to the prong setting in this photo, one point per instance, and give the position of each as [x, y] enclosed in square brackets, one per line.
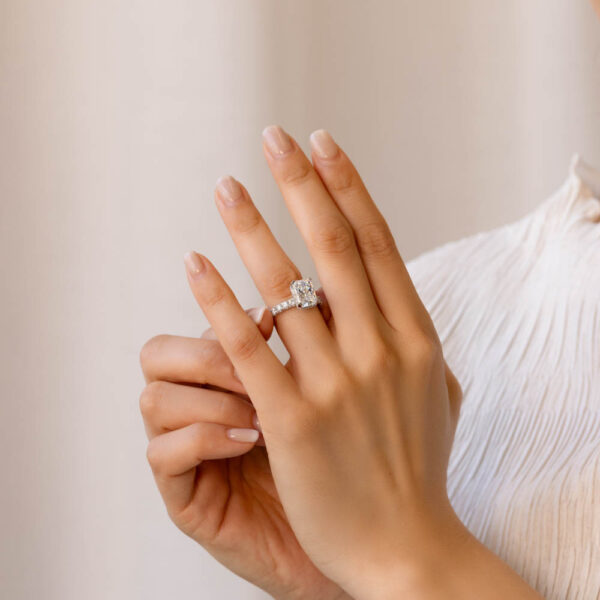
[303, 296]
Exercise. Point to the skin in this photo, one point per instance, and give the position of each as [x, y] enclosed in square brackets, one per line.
[232, 508]
[339, 498]
[347, 499]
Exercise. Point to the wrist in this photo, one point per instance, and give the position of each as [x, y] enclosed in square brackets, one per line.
[339, 594]
[421, 567]
[452, 565]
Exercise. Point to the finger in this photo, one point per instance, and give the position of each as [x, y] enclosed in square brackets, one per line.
[249, 353]
[261, 316]
[188, 360]
[166, 406]
[173, 457]
[391, 284]
[325, 230]
[272, 272]
[324, 307]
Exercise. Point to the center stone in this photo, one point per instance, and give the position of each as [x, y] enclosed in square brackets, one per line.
[304, 293]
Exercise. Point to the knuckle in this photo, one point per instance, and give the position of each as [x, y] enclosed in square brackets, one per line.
[337, 390]
[455, 391]
[333, 237]
[197, 434]
[300, 424]
[383, 360]
[231, 408]
[213, 295]
[151, 348]
[209, 356]
[247, 223]
[245, 344]
[278, 281]
[423, 353]
[342, 179]
[376, 240]
[151, 398]
[296, 173]
[342, 387]
[154, 456]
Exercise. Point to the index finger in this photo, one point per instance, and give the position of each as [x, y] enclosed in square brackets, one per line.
[253, 359]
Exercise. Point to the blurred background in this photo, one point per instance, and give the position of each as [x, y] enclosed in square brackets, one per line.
[116, 119]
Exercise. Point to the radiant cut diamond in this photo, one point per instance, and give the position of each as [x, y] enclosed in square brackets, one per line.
[304, 293]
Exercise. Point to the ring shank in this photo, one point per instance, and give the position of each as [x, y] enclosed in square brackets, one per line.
[279, 308]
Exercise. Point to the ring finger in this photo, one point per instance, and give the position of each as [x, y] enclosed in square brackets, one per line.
[328, 236]
[272, 271]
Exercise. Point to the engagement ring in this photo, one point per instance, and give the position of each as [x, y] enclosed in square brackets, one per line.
[303, 296]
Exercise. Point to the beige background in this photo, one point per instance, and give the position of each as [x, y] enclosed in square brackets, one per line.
[116, 118]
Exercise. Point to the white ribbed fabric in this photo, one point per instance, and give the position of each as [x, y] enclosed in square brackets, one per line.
[517, 310]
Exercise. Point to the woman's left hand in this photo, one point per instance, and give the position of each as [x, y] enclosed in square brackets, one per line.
[359, 424]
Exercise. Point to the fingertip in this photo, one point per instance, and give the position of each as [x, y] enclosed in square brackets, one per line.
[194, 264]
[323, 144]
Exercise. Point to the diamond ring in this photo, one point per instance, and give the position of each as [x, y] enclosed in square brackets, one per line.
[303, 296]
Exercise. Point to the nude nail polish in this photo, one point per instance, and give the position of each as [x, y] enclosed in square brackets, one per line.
[242, 434]
[229, 190]
[194, 264]
[277, 140]
[256, 314]
[323, 144]
[256, 422]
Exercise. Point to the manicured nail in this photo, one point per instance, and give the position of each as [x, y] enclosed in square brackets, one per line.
[229, 190]
[242, 435]
[277, 140]
[256, 422]
[323, 145]
[256, 314]
[194, 264]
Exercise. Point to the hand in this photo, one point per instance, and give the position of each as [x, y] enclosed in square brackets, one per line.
[359, 424]
[219, 491]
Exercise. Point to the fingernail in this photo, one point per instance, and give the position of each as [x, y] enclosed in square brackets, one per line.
[256, 314]
[323, 144]
[194, 264]
[242, 435]
[277, 140]
[229, 190]
[256, 422]
[235, 374]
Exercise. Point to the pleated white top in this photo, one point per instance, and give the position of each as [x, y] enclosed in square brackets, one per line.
[517, 310]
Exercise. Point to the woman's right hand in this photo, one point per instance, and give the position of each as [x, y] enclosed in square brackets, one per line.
[217, 490]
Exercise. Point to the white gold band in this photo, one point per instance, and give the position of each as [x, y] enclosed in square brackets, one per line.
[278, 308]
